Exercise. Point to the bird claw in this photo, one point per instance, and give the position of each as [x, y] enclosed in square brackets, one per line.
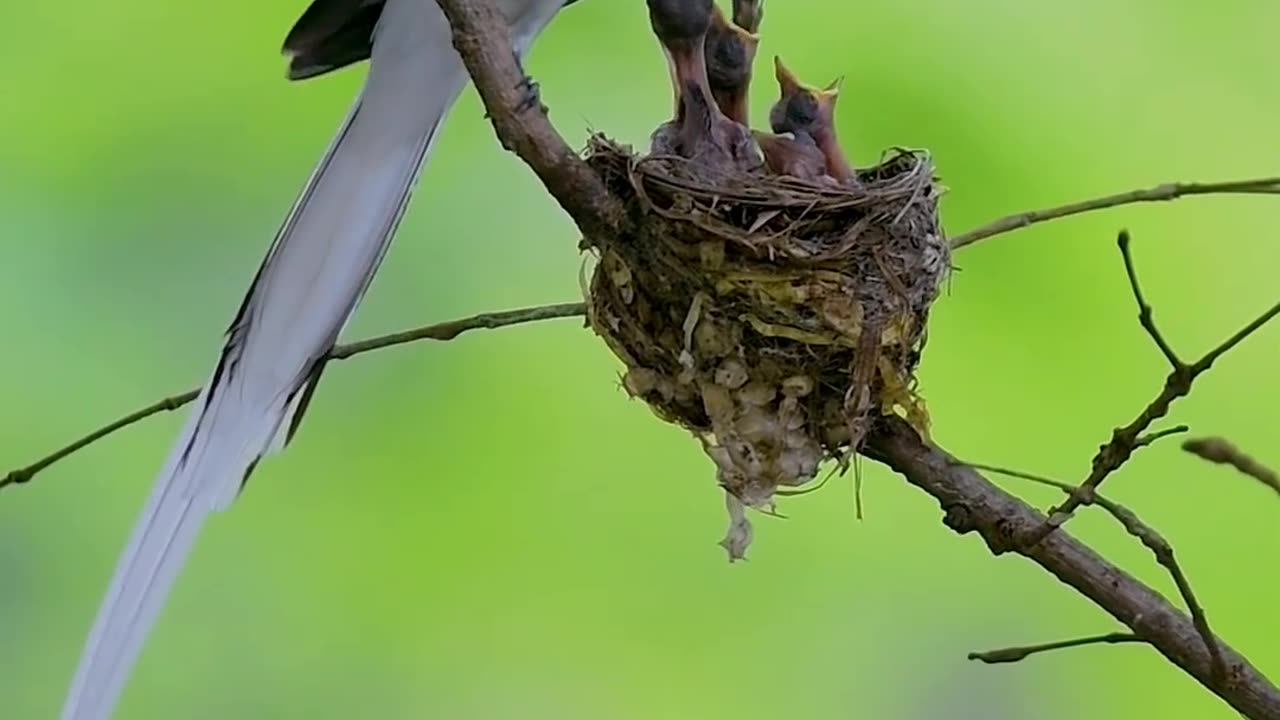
[532, 94]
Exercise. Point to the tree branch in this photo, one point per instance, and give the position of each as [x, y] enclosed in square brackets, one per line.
[483, 39]
[971, 503]
[1160, 193]
[440, 331]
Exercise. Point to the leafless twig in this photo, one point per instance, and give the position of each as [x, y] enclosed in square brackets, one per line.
[1125, 440]
[1150, 539]
[1221, 451]
[1160, 193]
[1145, 317]
[439, 331]
[1016, 654]
[971, 503]
[1154, 437]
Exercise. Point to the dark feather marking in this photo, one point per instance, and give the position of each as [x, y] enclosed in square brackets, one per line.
[331, 35]
[240, 324]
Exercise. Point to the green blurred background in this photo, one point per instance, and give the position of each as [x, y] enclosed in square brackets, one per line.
[491, 529]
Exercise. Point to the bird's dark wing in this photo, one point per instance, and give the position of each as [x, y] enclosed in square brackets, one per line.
[330, 35]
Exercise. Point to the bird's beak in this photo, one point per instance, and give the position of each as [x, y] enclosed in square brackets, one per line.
[828, 95]
[788, 83]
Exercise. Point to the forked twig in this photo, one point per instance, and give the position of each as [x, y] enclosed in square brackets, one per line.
[1124, 441]
[1145, 534]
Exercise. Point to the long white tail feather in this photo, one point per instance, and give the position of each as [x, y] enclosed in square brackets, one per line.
[316, 272]
[314, 275]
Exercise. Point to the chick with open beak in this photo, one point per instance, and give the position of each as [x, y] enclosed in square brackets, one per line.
[700, 131]
[681, 27]
[803, 109]
[730, 52]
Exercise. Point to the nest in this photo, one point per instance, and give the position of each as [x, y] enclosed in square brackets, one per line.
[774, 319]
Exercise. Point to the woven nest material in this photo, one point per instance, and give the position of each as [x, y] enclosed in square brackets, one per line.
[772, 318]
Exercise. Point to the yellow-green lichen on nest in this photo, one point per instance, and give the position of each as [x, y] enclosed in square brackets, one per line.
[772, 318]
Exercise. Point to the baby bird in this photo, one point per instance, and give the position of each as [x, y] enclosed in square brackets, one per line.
[700, 130]
[710, 139]
[796, 156]
[730, 52]
[681, 27]
[803, 109]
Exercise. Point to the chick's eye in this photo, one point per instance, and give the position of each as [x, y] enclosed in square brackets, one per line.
[803, 109]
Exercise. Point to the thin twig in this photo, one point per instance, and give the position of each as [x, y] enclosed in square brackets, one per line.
[1223, 452]
[1150, 538]
[1116, 452]
[1160, 193]
[1154, 437]
[440, 331]
[1144, 310]
[1016, 654]
[1208, 360]
[446, 331]
[22, 475]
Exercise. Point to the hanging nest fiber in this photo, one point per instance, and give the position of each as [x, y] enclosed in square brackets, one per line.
[772, 318]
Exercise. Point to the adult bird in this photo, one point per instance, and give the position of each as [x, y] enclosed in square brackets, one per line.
[315, 273]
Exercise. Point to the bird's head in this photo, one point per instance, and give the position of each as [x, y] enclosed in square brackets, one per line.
[800, 107]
